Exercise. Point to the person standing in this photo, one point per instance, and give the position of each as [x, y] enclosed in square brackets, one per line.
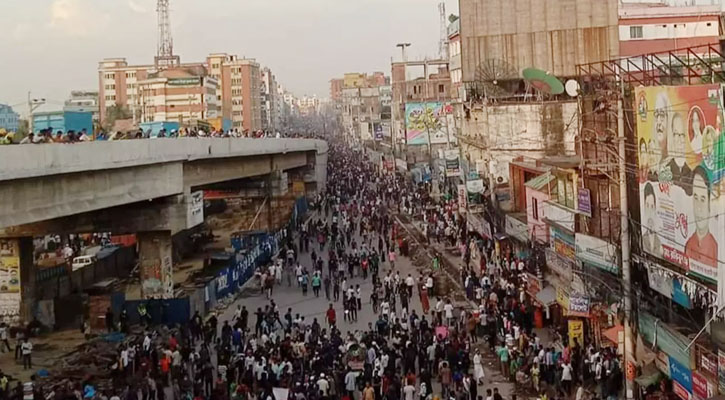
[27, 350]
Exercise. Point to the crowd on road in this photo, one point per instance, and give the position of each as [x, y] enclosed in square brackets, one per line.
[435, 351]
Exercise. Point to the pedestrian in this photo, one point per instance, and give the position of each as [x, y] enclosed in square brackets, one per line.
[27, 350]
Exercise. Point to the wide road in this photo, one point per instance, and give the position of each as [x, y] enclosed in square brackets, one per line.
[312, 307]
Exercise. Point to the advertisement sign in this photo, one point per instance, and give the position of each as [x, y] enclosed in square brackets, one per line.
[681, 374]
[378, 131]
[708, 364]
[659, 283]
[183, 81]
[578, 304]
[680, 391]
[462, 196]
[597, 252]
[559, 265]
[562, 298]
[475, 186]
[453, 166]
[679, 296]
[721, 371]
[681, 163]
[517, 229]
[194, 209]
[563, 243]
[576, 332]
[559, 215]
[533, 284]
[663, 362]
[430, 119]
[584, 204]
[9, 277]
[699, 385]
[401, 164]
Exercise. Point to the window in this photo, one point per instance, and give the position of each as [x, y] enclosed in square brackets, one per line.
[635, 32]
[709, 24]
[535, 208]
[441, 88]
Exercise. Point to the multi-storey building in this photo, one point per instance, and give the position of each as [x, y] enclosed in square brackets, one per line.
[268, 86]
[308, 105]
[81, 101]
[9, 119]
[238, 79]
[177, 95]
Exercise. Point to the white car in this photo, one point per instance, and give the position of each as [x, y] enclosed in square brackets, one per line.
[83, 261]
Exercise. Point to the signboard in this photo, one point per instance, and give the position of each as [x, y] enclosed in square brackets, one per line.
[663, 362]
[424, 120]
[183, 81]
[563, 243]
[597, 252]
[680, 391]
[699, 385]
[659, 283]
[479, 225]
[9, 277]
[679, 296]
[578, 304]
[559, 265]
[576, 332]
[475, 186]
[721, 371]
[378, 131]
[562, 298]
[559, 215]
[681, 374]
[453, 166]
[584, 204]
[194, 209]
[708, 364]
[462, 197]
[681, 162]
[401, 164]
[517, 229]
[533, 284]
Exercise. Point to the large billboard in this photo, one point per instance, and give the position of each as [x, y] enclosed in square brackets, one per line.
[431, 118]
[9, 277]
[680, 150]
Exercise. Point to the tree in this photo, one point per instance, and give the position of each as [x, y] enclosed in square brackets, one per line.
[23, 130]
[114, 113]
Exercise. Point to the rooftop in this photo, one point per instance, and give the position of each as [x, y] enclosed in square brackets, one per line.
[640, 10]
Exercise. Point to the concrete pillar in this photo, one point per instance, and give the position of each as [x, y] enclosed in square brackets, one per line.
[155, 264]
[22, 301]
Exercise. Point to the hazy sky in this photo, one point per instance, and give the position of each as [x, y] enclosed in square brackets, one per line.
[51, 47]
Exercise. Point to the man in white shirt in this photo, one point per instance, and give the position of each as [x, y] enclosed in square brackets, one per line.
[27, 351]
[448, 309]
[323, 385]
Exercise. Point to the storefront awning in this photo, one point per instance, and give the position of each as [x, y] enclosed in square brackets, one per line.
[650, 375]
[546, 296]
[612, 334]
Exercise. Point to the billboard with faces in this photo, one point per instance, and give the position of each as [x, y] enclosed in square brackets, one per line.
[679, 170]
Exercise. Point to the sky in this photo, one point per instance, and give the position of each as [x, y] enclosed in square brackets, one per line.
[51, 47]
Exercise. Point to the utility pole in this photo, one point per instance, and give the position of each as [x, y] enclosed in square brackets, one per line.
[33, 104]
[626, 278]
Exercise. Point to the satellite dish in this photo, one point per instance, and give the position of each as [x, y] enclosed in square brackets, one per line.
[572, 88]
[493, 77]
[543, 81]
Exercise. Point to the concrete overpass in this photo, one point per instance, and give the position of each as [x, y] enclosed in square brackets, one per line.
[134, 186]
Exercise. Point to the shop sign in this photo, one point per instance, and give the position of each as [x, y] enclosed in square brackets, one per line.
[559, 265]
[562, 298]
[479, 225]
[681, 374]
[183, 81]
[597, 252]
[578, 304]
[564, 243]
[584, 204]
[533, 284]
[708, 364]
[401, 164]
[660, 283]
[453, 165]
[680, 391]
[194, 209]
[475, 186]
[662, 362]
[462, 197]
[559, 215]
[517, 229]
[721, 371]
[699, 385]
[679, 296]
[576, 332]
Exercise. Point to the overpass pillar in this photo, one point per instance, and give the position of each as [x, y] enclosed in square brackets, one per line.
[155, 264]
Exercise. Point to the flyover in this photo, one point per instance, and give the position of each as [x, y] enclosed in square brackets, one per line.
[147, 187]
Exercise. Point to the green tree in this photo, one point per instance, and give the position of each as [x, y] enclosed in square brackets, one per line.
[114, 113]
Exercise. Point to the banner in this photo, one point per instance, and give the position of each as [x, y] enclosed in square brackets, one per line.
[462, 197]
[428, 119]
[453, 166]
[597, 252]
[475, 186]
[9, 277]
[681, 163]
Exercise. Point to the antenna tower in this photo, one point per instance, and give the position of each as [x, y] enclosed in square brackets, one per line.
[443, 44]
[165, 57]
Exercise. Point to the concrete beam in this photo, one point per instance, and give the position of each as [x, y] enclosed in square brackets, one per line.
[168, 215]
[205, 172]
[48, 197]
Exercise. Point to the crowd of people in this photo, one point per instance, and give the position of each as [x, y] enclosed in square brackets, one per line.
[421, 343]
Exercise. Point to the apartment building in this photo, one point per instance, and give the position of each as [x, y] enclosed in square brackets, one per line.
[268, 87]
[177, 95]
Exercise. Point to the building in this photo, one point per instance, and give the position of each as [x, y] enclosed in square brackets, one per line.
[454, 53]
[308, 105]
[63, 121]
[238, 79]
[553, 35]
[336, 86]
[268, 84]
[654, 28]
[81, 100]
[240, 89]
[9, 119]
[178, 95]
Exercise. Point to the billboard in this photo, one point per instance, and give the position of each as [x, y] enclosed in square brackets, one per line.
[680, 152]
[430, 118]
[9, 277]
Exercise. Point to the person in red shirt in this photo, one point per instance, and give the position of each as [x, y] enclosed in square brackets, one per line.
[173, 343]
[331, 316]
[701, 247]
